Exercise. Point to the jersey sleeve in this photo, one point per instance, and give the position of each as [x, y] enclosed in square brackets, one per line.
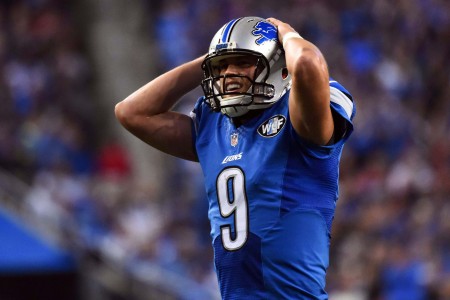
[196, 116]
[341, 102]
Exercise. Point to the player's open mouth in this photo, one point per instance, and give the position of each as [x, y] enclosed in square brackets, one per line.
[232, 87]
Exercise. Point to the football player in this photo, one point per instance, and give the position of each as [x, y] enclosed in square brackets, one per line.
[268, 133]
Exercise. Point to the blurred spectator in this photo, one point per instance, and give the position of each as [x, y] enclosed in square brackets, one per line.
[113, 161]
[403, 277]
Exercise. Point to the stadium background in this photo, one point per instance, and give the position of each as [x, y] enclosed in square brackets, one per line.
[89, 212]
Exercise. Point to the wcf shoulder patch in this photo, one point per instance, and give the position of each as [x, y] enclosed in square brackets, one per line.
[272, 126]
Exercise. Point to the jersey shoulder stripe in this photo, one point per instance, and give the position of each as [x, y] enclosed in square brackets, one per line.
[338, 97]
[340, 87]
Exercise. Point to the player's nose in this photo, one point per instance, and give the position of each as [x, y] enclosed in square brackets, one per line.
[232, 69]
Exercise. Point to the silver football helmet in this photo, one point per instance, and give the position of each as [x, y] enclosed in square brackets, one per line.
[258, 38]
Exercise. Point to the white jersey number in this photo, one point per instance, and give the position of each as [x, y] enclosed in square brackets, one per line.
[233, 201]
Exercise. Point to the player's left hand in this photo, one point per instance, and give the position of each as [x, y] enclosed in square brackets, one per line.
[282, 28]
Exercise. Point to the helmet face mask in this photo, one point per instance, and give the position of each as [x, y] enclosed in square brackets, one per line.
[214, 84]
[256, 39]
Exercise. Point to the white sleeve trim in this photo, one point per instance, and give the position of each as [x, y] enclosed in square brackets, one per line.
[194, 119]
[341, 99]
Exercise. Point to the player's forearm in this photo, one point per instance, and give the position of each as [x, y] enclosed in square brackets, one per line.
[309, 100]
[310, 94]
[161, 94]
[306, 64]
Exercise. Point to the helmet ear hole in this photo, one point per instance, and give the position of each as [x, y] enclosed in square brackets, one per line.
[284, 73]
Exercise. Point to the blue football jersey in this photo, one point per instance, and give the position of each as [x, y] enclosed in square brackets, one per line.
[272, 197]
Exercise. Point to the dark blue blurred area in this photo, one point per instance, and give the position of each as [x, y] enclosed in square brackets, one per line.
[22, 251]
[391, 233]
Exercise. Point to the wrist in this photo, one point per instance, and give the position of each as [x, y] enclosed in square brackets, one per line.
[290, 35]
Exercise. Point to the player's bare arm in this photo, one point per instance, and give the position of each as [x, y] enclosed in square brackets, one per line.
[147, 112]
[309, 101]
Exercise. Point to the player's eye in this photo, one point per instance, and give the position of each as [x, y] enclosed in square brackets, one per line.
[223, 66]
[244, 63]
[219, 67]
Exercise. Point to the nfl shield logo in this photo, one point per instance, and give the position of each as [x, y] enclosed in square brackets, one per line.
[234, 139]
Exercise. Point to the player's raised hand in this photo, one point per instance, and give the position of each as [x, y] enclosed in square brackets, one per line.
[285, 31]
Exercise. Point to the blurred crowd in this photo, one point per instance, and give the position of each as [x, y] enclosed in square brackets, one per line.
[391, 233]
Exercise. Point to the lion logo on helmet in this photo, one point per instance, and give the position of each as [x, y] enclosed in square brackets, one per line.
[266, 32]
